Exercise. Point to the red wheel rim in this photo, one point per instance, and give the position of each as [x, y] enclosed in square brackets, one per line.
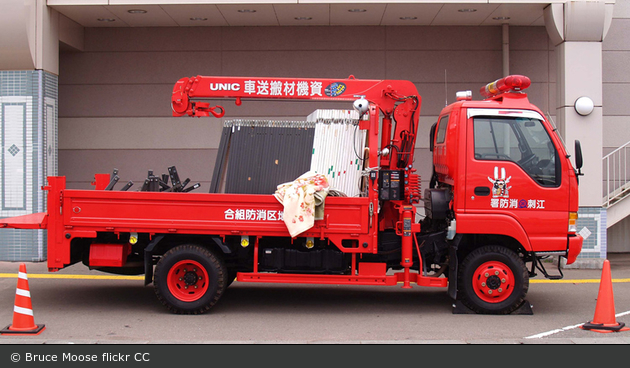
[493, 282]
[187, 280]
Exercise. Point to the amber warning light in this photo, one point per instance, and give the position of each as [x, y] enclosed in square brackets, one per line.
[511, 83]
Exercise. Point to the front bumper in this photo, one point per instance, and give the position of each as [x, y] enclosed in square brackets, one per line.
[574, 247]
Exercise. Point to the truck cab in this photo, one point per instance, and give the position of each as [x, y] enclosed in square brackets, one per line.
[512, 189]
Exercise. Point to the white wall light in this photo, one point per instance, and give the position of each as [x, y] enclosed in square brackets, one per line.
[584, 105]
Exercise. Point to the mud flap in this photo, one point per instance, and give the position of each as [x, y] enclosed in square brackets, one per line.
[453, 265]
[148, 259]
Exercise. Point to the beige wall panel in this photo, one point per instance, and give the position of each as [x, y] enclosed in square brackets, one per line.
[538, 94]
[616, 131]
[307, 64]
[145, 133]
[532, 55]
[533, 64]
[616, 99]
[424, 128]
[578, 61]
[617, 37]
[79, 166]
[19, 35]
[139, 133]
[137, 100]
[423, 163]
[553, 67]
[443, 38]
[47, 39]
[303, 38]
[71, 33]
[429, 66]
[136, 67]
[434, 96]
[529, 38]
[617, 237]
[551, 92]
[616, 68]
[621, 9]
[153, 39]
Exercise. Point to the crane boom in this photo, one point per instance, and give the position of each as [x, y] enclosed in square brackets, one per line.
[397, 100]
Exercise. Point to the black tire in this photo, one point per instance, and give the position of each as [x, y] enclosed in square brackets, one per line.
[493, 280]
[189, 279]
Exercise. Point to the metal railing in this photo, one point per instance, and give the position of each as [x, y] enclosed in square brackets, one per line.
[616, 166]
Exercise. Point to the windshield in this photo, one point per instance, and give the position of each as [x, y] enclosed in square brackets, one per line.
[521, 140]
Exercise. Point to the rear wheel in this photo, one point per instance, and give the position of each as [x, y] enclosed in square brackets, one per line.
[190, 279]
[493, 280]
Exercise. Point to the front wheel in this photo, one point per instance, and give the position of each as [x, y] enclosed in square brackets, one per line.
[190, 279]
[493, 280]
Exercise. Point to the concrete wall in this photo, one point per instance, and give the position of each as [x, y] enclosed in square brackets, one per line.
[114, 96]
[616, 89]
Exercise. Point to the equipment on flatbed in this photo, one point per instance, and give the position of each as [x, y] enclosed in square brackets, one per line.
[151, 184]
[502, 193]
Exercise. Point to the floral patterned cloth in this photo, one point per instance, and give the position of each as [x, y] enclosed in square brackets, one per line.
[299, 198]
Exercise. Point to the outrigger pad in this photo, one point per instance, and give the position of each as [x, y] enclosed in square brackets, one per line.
[524, 309]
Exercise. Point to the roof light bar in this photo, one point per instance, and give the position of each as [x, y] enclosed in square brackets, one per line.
[511, 83]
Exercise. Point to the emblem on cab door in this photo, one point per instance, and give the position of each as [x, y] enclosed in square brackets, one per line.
[500, 188]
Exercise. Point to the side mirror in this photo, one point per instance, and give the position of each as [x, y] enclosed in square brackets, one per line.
[578, 155]
[578, 158]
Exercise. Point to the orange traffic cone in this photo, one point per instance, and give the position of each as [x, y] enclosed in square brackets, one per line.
[604, 319]
[23, 321]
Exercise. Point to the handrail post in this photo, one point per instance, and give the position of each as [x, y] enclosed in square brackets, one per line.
[607, 181]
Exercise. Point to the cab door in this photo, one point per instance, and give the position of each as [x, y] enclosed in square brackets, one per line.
[513, 169]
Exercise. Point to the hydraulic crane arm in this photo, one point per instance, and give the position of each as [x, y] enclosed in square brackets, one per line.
[397, 100]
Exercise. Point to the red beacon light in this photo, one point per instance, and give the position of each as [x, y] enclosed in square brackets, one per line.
[511, 83]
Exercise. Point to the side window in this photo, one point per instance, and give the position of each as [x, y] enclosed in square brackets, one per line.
[521, 140]
[495, 140]
[441, 133]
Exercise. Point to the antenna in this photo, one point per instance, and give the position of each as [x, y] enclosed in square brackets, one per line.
[445, 90]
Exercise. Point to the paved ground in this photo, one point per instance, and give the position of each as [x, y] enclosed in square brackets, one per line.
[89, 307]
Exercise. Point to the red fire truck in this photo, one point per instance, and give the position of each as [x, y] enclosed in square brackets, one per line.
[503, 193]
